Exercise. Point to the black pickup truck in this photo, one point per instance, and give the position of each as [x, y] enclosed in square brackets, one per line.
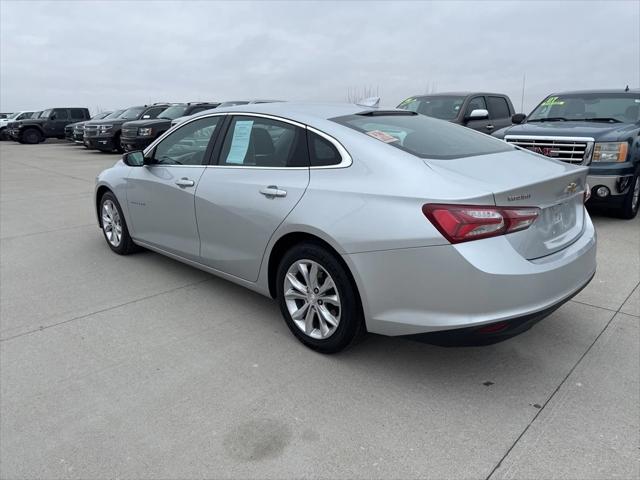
[481, 111]
[597, 128]
[137, 135]
[50, 124]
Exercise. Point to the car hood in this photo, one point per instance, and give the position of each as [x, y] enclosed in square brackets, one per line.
[151, 122]
[597, 130]
[31, 121]
[115, 121]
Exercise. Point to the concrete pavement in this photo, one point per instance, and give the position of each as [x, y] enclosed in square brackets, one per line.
[141, 367]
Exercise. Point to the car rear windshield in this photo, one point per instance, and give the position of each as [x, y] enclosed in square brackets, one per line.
[174, 112]
[586, 107]
[445, 107]
[423, 136]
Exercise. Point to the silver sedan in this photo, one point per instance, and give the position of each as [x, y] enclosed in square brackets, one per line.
[359, 219]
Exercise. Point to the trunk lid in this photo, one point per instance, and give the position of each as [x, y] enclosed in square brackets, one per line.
[524, 179]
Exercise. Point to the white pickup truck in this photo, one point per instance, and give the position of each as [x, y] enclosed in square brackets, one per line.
[11, 118]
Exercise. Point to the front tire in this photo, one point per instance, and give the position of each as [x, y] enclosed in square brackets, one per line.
[318, 299]
[631, 202]
[114, 226]
[31, 136]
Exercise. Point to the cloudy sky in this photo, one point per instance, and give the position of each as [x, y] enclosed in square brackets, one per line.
[115, 54]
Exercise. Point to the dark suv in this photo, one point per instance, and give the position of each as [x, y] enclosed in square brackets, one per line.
[105, 134]
[137, 135]
[598, 128]
[72, 127]
[485, 112]
[50, 124]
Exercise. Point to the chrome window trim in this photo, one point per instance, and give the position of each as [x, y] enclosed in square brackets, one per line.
[346, 158]
[346, 161]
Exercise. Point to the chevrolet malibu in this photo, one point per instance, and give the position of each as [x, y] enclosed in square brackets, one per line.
[359, 219]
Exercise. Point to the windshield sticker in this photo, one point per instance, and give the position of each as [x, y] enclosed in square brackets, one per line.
[240, 142]
[383, 137]
[552, 101]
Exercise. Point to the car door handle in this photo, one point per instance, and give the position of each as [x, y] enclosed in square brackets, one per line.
[489, 127]
[273, 191]
[185, 182]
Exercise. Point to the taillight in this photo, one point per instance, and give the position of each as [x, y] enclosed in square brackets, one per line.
[462, 223]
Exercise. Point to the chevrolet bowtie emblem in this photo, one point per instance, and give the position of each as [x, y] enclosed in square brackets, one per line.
[571, 188]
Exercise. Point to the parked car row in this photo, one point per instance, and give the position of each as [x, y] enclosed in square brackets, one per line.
[36, 127]
[599, 129]
[134, 128]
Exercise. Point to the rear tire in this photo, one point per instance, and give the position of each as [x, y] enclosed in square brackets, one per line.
[315, 287]
[3, 135]
[631, 202]
[114, 227]
[31, 136]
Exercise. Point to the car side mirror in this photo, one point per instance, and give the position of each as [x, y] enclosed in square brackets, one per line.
[518, 118]
[134, 159]
[52, 117]
[478, 114]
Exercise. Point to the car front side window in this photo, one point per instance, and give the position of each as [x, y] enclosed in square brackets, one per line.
[188, 144]
[476, 103]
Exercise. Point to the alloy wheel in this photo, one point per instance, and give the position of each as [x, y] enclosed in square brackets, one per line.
[312, 299]
[635, 200]
[111, 223]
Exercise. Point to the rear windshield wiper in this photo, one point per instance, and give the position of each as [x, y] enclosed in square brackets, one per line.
[601, 119]
[548, 119]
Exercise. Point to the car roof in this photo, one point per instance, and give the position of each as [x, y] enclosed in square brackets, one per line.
[456, 94]
[597, 91]
[302, 111]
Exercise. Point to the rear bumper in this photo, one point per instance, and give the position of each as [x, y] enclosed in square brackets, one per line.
[490, 333]
[429, 289]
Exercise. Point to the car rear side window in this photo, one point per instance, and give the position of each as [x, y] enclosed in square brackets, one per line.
[61, 114]
[424, 136]
[77, 114]
[322, 152]
[498, 107]
[263, 142]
